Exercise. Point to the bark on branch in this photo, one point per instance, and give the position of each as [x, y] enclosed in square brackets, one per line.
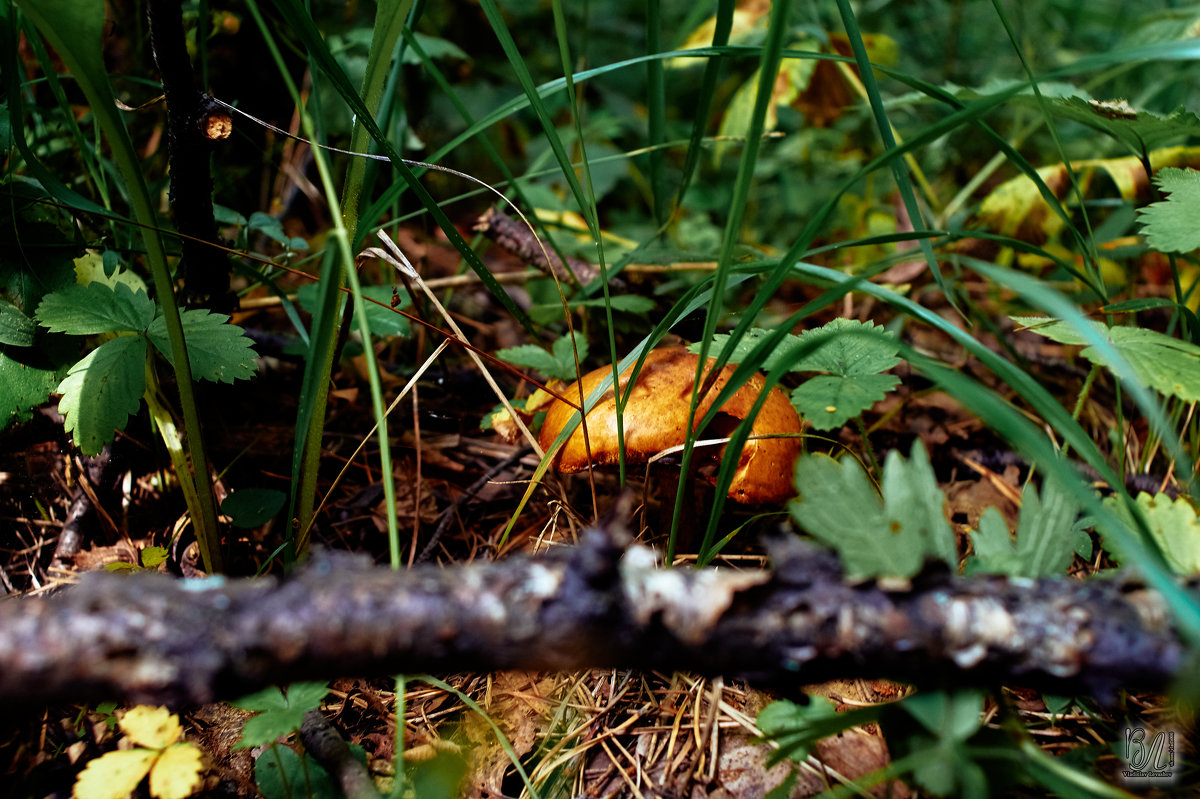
[152, 638]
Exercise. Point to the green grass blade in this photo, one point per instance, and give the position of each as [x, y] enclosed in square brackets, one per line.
[306, 29]
[772, 54]
[903, 181]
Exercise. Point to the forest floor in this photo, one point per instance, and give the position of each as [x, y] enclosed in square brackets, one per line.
[601, 733]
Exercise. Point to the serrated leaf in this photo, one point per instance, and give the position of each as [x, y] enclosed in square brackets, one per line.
[279, 714]
[1047, 537]
[216, 350]
[1167, 365]
[875, 536]
[1174, 526]
[252, 507]
[176, 773]
[842, 347]
[101, 391]
[95, 308]
[114, 775]
[847, 347]
[565, 354]
[745, 344]
[16, 329]
[1170, 225]
[828, 401]
[1139, 130]
[153, 557]
[152, 727]
[558, 363]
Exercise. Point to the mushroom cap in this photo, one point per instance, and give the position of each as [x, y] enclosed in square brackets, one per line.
[656, 418]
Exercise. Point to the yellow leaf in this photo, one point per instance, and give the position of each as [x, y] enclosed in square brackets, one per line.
[89, 268]
[177, 772]
[153, 727]
[114, 775]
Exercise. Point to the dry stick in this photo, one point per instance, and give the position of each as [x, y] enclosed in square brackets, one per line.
[327, 746]
[152, 638]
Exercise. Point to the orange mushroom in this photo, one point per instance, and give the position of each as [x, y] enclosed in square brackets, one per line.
[656, 418]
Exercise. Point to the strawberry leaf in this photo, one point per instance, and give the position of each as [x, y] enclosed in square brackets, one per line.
[102, 391]
[1047, 537]
[1158, 361]
[216, 351]
[96, 308]
[558, 363]
[874, 536]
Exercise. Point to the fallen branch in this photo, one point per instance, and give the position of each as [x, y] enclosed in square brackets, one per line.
[152, 638]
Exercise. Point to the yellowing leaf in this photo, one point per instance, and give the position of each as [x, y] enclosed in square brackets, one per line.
[1174, 526]
[1017, 208]
[745, 18]
[113, 776]
[177, 772]
[89, 268]
[153, 727]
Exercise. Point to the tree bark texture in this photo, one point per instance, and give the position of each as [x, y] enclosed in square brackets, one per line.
[153, 638]
[203, 267]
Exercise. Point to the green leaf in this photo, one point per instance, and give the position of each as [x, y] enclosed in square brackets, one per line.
[26, 381]
[1165, 364]
[797, 728]
[16, 329]
[36, 244]
[279, 714]
[558, 363]
[628, 303]
[280, 773]
[842, 347]
[216, 350]
[153, 557]
[828, 401]
[96, 308]
[1047, 537]
[875, 536]
[272, 228]
[745, 344]
[383, 321]
[1170, 225]
[848, 348]
[1174, 526]
[434, 48]
[1141, 131]
[253, 507]
[952, 716]
[101, 391]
